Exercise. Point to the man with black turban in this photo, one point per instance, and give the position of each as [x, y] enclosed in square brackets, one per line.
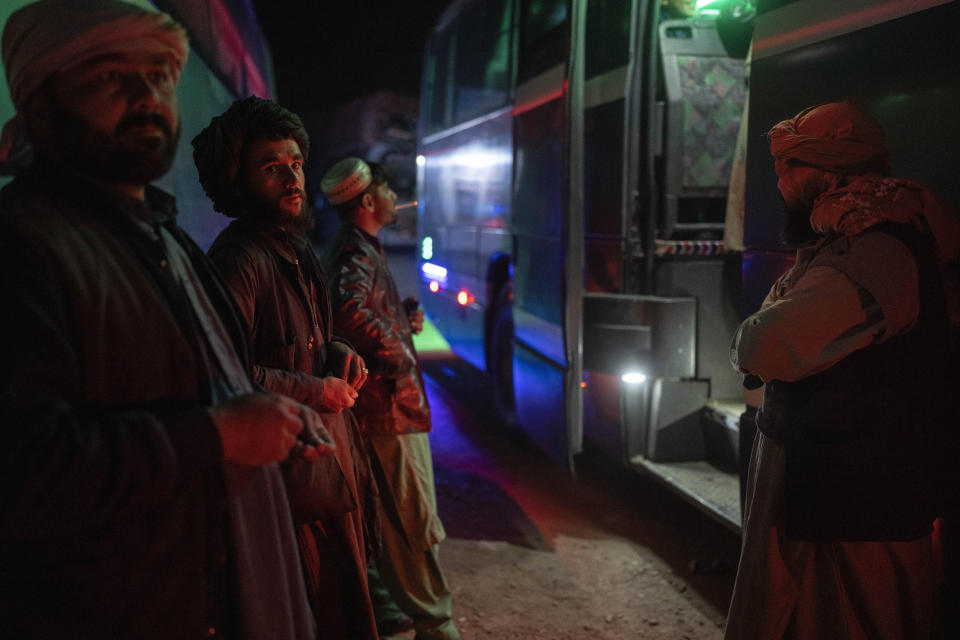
[140, 495]
[250, 160]
[852, 343]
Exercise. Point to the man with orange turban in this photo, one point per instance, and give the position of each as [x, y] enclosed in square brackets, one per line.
[138, 480]
[852, 345]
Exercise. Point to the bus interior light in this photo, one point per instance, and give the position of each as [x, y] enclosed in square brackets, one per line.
[434, 286]
[634, 377]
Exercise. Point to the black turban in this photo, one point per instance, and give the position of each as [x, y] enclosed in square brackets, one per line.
[218, 150]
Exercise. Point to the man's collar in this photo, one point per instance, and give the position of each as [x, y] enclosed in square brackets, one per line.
[287, 243]
[371, 239]
[158, 207]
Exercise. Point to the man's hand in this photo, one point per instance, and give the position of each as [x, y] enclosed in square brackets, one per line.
[346, 364]
[260, 428]
[337, 394]
[414, 314]
[314, 441]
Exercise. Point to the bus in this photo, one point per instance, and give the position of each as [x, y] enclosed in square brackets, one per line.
[574, 160]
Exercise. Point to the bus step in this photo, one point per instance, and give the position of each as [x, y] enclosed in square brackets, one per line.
[721, 432]
[712, 490]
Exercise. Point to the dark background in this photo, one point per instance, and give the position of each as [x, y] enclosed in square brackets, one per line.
[325, 53]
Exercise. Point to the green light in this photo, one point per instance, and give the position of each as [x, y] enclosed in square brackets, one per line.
[426, 249]
[430, 341]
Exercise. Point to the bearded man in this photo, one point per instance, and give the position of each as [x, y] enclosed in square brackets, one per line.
[140, 493]
[251, 161]
[847, 472]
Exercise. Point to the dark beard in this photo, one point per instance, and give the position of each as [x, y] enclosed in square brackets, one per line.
[105, 157]
[267, 212]
[796, 229]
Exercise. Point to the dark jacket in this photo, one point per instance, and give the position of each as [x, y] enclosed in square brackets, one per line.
[282, 294]
[368, 312]
[112, 497]
[861, 438]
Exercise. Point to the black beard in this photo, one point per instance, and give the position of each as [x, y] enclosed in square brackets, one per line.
[796, 229]
[266, 212]
[103, 157]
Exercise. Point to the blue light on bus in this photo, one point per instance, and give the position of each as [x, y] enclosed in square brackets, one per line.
[434, 271]
[426, 248]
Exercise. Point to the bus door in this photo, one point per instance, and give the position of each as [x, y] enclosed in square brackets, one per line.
[669, 326]
[547, 243]
[703, 97]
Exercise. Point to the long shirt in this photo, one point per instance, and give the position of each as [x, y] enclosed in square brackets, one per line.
[118, 516]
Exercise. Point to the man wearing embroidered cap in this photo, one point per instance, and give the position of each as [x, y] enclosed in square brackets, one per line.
[141, 498]
[847, 473]
[406, 582]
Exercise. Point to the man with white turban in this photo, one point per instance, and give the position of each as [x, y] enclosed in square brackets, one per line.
[847, 474]
[141, 496]
[407, 583]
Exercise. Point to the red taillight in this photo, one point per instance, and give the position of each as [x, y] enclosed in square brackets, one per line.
[434, 286]
[464, 297]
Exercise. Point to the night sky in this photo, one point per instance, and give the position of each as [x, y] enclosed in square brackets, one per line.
[325, 52]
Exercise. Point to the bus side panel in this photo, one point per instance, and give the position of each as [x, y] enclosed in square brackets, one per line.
[603, 424]
[902, 71]
[539, 356]
[603, 196]
[465, 200]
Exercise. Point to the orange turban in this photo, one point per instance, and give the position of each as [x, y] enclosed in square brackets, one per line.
[839, 137]
[44, 37]
[47, 36]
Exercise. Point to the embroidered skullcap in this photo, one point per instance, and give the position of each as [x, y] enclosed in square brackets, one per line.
[839, 137]
[218, 150]
[48, 36]
[346, 180]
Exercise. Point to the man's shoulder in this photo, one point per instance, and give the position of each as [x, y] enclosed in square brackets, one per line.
[881, 247]
[879, 261]
[237, 239]
[29, 211]
[347, 243]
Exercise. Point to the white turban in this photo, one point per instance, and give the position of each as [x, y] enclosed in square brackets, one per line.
[48, 36]
[345, 180]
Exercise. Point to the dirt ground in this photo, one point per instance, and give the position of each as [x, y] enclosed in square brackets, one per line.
[533, 553]
[582, 588]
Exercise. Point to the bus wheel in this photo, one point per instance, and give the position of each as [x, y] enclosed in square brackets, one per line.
[500, 357]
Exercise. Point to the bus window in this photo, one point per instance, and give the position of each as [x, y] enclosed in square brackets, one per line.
[482, 76]
[438, 82]
[608, 35]
[543, 41]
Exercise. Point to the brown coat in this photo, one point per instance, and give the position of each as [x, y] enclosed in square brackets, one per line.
[368, 312]
[282, 294]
